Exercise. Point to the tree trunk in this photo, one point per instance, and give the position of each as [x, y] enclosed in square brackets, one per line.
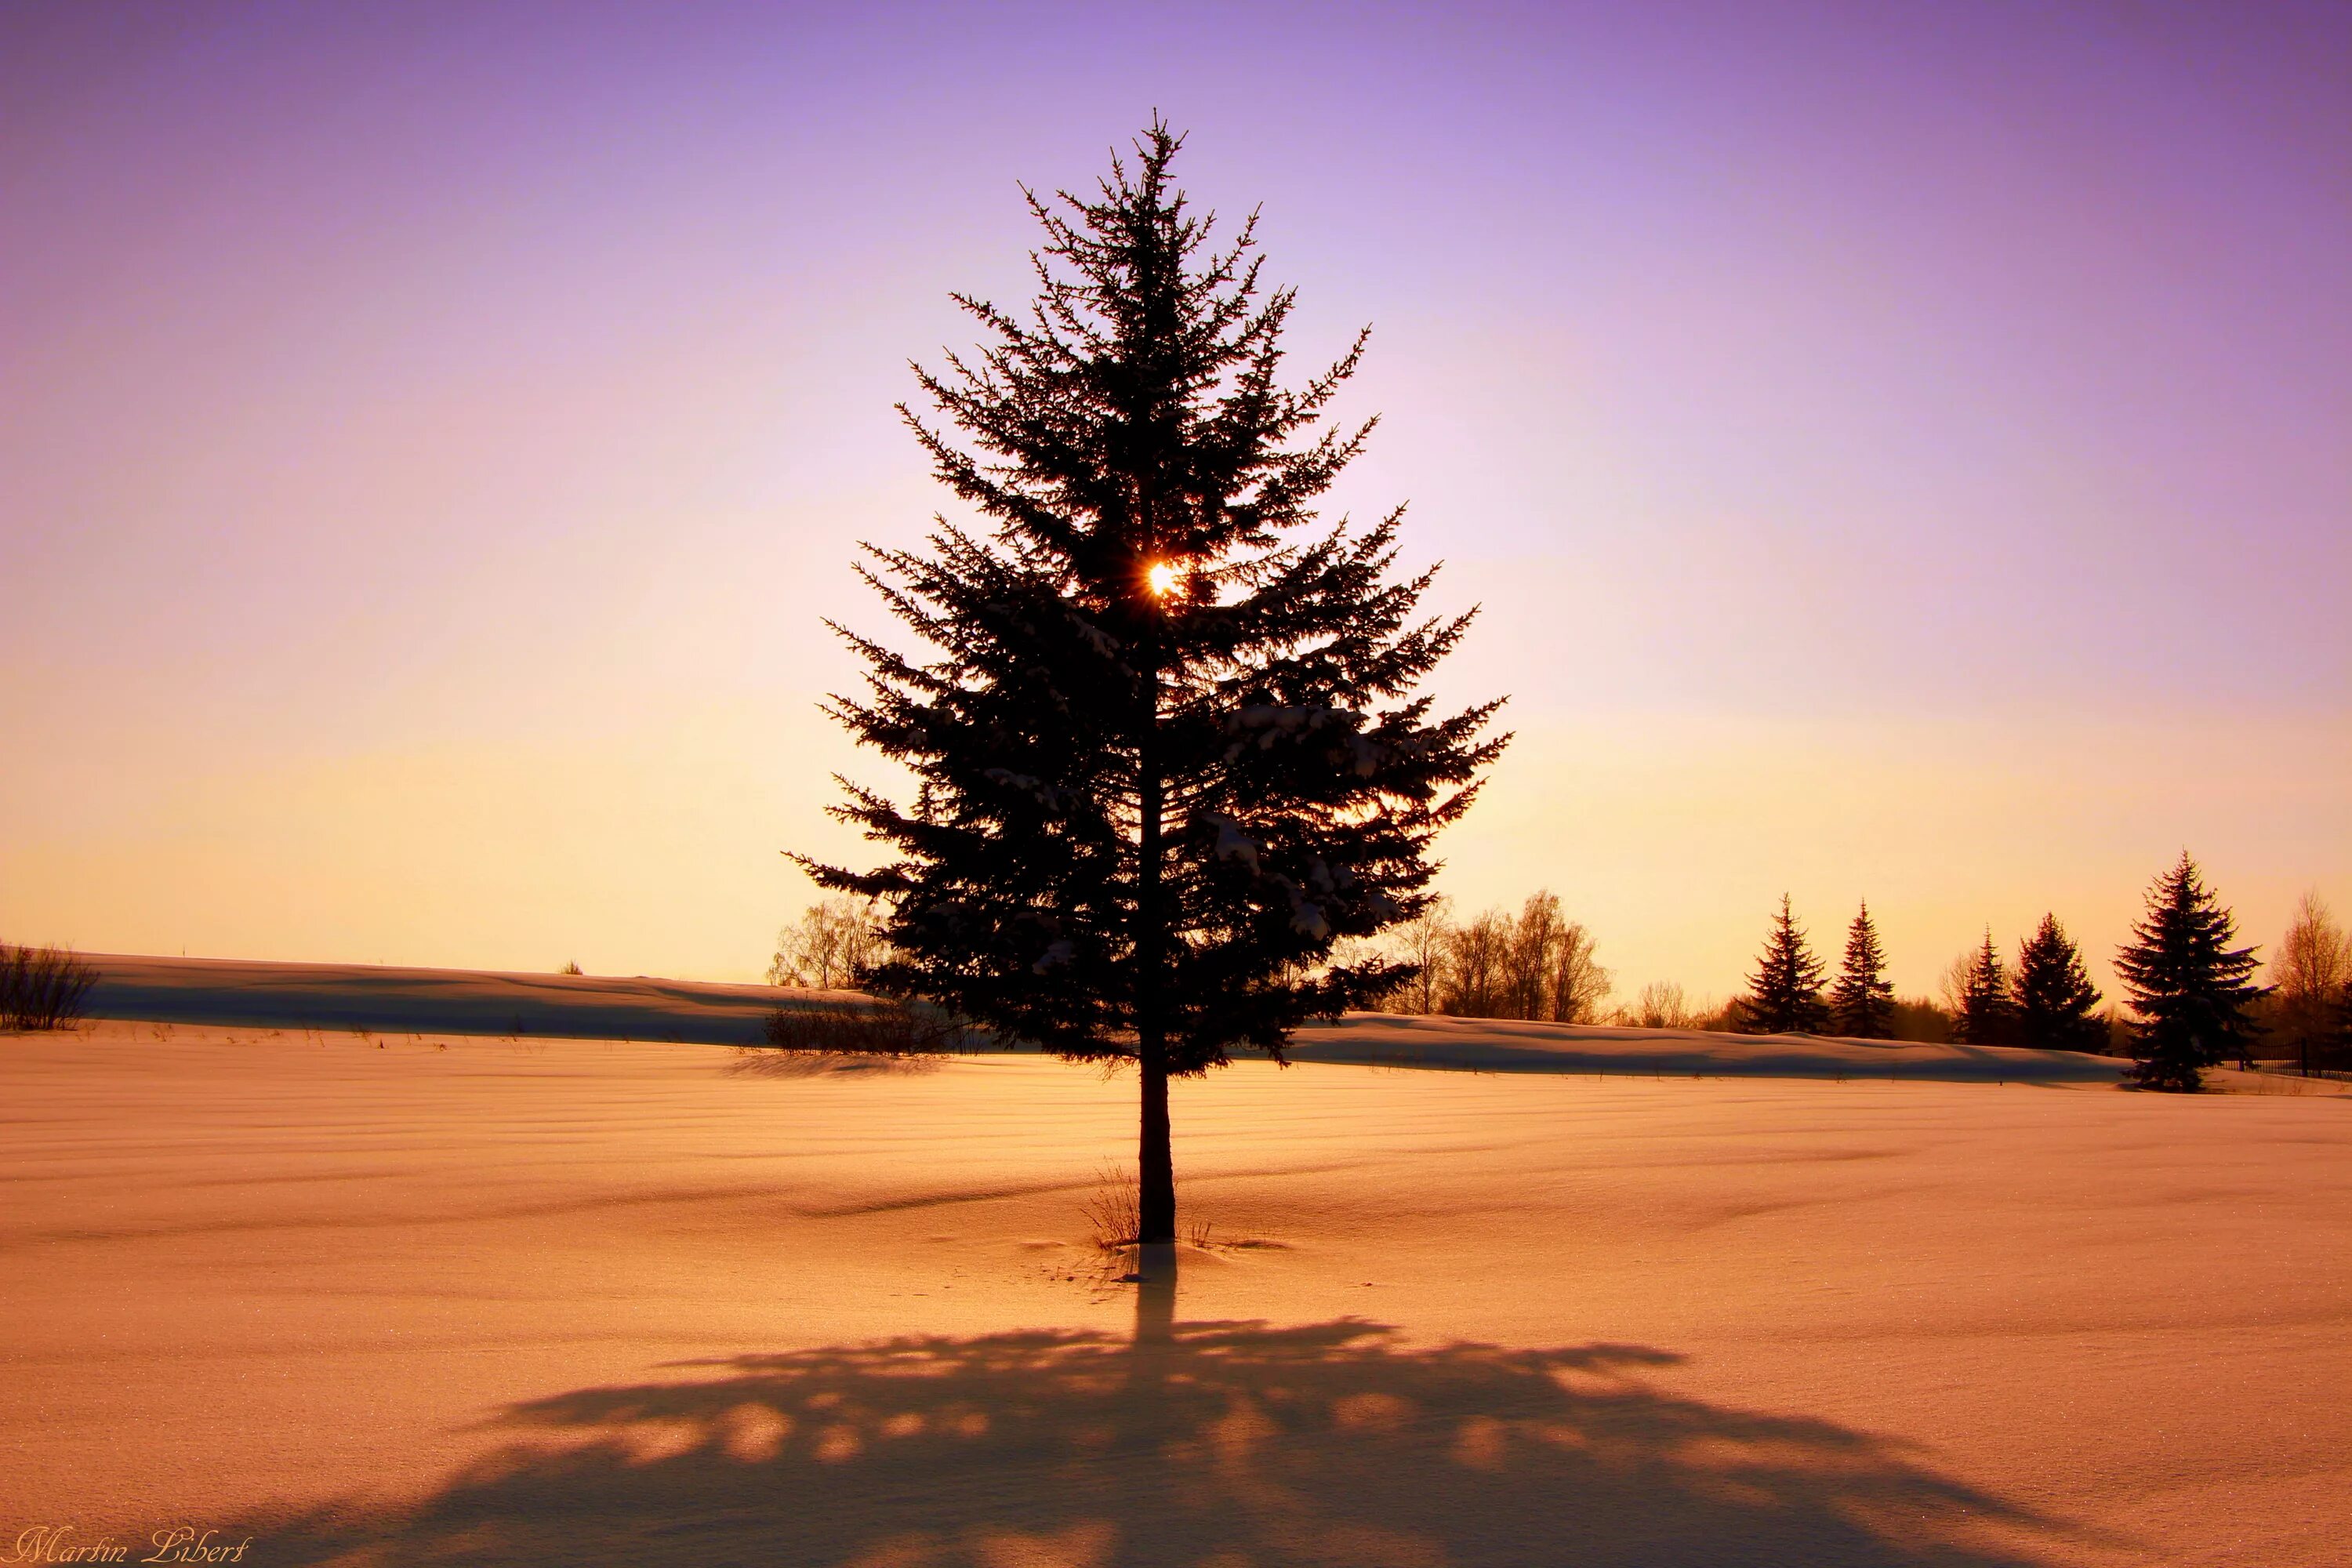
[1155, 1163]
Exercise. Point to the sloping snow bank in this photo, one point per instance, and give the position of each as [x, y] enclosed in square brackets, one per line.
[1499, 1044]
[244, 994]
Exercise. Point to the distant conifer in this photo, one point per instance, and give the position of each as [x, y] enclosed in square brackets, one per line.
[2054, 994]
[1862, 1004]
[1986, 1015]
[1784, 995]
[2191, 990]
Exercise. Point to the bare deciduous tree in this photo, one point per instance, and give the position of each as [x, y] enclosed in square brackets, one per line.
[1578, 983]
[1426, 943]
[1952, 985]
[1534, 942]
[1477, 967]
[2310, 973]
[1534, 964]
[834, 943]
[1661, 1005]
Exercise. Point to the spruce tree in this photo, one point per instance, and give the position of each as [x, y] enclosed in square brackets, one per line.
[1986, 1015]
[1784, 995]
[1862, 1004]
[1168, 750]
[2053, 993]
[2191, 990]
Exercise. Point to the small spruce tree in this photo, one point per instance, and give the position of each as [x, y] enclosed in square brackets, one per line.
[2191, 990]
[1784, 995]
[1862, 1004]
[2054, 996]
[1167, 751]
[1986, 1015]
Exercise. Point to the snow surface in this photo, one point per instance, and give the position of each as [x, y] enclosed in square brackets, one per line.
[1498, 1045]
[393, 1300]
[454, 1001]
[443, 1001]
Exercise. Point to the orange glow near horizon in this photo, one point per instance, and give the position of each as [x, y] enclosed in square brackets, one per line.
[434, 454]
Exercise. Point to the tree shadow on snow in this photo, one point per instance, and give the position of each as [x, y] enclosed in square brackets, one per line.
[1212, 1443]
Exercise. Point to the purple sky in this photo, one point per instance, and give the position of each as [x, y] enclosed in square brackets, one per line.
[1902, 451]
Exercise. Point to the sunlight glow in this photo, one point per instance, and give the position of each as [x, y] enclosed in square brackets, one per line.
[1162, 578]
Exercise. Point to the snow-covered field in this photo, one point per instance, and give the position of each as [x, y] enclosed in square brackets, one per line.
[457, 1298]
[404, 1001]
[456, 1001]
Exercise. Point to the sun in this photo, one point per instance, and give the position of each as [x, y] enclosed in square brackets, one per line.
[1161, 577]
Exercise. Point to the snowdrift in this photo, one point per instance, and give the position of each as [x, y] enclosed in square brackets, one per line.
[1502, 1045]
[244, 994]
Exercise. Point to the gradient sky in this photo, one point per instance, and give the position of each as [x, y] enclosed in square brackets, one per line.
[1901, 451]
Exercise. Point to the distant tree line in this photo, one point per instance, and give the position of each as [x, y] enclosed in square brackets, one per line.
[2308, 1012]
[2191, 1000]
[2190, 991]
[2192, 1003]
[2048, 1001]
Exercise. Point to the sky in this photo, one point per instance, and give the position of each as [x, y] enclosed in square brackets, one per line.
[1899, 452]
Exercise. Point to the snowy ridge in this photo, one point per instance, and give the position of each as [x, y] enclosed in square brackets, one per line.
[258, 995]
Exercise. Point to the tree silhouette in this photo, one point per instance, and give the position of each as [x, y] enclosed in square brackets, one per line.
[1533, 965]
[1862, 1004]
[1423, 945]
[1986, 1015]
[2310, 976]
[1166, 754]
[1784, 995]
[2190, 988]
[2054, 994]
[1530, 953]
[1478, 967]
[832, 943]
